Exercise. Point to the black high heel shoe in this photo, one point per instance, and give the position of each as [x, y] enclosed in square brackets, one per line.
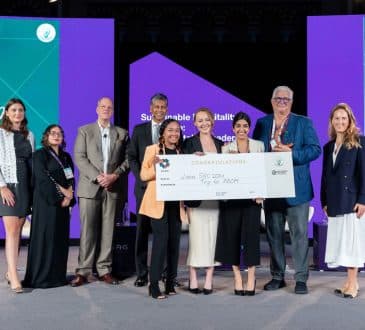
[154, 291]
[250, 292]
[349, 294]
[239, 292]
[194, 290]
[170, 288]
[208, 291]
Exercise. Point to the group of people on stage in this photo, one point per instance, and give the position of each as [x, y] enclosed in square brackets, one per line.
[42, 183]
[219, 231]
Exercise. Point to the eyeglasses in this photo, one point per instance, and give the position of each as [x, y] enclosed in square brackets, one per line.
[284, 100]
[104, 107]
[58, 134]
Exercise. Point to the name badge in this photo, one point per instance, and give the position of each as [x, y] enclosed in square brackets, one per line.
[68, 173]
[273, 143]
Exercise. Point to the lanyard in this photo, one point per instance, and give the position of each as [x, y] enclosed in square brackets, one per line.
[283, 125]
[53, 154]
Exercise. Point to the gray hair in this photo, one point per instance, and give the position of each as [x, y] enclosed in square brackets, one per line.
[104, 98]
[283, 88]
[159, 97]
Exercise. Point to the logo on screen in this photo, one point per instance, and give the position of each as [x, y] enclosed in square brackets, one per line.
[46, 32]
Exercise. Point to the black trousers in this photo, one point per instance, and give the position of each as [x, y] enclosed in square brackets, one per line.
[166, 243]
[239, 228]
[141, 247]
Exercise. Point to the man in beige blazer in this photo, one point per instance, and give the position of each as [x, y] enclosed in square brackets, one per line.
[100, 155]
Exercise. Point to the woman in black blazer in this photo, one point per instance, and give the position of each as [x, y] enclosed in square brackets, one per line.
[343, 196]
[203, 215]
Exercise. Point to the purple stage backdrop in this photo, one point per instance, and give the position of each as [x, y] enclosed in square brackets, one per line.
[86, 73]
[335, 74]
[186, 92]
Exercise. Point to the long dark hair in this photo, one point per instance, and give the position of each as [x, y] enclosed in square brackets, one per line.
[161, 140]
[7, 125]
[46, 134]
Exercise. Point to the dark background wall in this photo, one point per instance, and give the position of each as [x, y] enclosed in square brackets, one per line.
[245, 47]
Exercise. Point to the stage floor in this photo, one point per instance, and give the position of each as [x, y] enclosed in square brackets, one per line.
[99, 306]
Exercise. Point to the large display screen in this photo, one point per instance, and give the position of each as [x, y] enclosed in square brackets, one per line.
[335, 74]
[59, 68]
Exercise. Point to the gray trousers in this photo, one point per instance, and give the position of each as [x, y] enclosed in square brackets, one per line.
[97, 228]
[297, 217]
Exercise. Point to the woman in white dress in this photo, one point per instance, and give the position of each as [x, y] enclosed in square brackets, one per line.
[203, 215]
[343, 196]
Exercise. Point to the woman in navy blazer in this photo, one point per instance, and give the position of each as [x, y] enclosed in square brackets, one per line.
[343, 196]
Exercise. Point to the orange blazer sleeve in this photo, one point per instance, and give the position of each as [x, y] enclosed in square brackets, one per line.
[148, 172]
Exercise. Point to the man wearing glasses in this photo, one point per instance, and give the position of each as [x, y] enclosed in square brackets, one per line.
[284, 131]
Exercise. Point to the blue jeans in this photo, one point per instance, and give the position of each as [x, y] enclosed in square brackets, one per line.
[297, 217]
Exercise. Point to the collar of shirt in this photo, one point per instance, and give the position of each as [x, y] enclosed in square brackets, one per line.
[104, 130]
[153, 123]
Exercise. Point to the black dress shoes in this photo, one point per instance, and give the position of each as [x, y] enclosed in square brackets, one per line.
[140, 281]
[301, 288]
[274, 285]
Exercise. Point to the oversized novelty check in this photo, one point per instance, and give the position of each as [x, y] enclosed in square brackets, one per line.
[225, 176]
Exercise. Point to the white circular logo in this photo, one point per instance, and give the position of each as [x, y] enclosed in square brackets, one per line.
[46, 32]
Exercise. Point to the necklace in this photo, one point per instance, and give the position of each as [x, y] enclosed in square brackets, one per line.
[245, 149]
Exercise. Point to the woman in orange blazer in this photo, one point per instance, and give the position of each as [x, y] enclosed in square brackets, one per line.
[165, 216]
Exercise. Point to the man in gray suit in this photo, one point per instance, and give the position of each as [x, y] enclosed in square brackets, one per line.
[100, 155]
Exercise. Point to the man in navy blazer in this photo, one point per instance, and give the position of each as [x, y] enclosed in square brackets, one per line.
[144, 135]
[284, 131]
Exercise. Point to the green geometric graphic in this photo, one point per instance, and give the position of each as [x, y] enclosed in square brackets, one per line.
[29, 69]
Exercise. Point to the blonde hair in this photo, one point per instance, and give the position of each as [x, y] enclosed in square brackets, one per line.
[351, 138]
[207, 111]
